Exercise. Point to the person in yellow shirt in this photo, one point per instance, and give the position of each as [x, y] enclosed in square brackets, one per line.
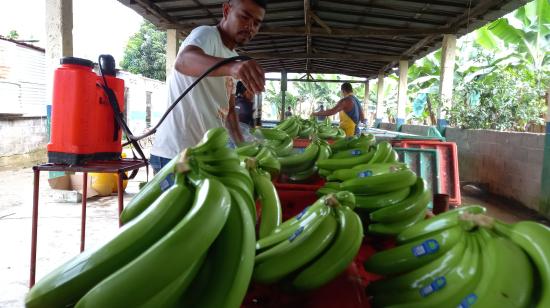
[349, 109]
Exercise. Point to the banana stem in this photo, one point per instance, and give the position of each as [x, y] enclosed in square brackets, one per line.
[478, 219]
[182, 165]
[330, 200]
[250, 163]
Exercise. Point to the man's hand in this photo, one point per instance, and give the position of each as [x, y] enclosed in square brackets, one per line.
[250, 73]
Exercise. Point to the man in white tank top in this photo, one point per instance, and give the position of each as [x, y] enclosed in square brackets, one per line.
[207, 105]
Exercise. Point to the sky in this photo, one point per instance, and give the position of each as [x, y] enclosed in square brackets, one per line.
[99, 26]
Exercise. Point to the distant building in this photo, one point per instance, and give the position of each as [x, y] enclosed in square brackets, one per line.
[23, 97]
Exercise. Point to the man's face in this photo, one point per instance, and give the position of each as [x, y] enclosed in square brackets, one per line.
[243, 20]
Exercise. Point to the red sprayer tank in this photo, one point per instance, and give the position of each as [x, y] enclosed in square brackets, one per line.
[83, 125]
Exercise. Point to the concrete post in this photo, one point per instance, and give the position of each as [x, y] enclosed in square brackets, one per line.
[545, 175]
[380, 99]
[59, 38]
[283, 92]
[446, 78]
[171, 50]
[402, 92]
[366, 100]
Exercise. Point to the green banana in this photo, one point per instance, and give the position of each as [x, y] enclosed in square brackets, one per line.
[365, 170]
[362, 141]
[169, 295]
[233, 252]
[324, 151]
[68, 283]
[350, 153]
[212, 140]
[446, 290]
[300, 251]
[507, 277]
[150, 192]
[271, 206]
[303, 175]
[286, 229]
[382, 152]
[534, 239]
[338, 256]
[382, 183]
[220, 155]
[326, 190]
[306, 158]
[393, 157]
[324, 172]
[250, 149]
[344, 163]
[394, 228]
[440, 222]
[157, 267]
[342, 144]
[417, 201]
[284, 124]
[374, 202]
[420, 276]
[412, 255]
[273, 133]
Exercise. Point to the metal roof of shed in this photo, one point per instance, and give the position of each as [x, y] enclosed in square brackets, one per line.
[352, 37]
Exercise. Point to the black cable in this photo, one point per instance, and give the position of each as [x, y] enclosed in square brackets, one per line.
[173, 105]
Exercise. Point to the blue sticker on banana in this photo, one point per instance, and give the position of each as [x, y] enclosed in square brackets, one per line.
[427, 247]
[438, 284]
[167, 182]
[468, 301]
[302, 213]
[355, 152]
[365, 174]
[296, 234]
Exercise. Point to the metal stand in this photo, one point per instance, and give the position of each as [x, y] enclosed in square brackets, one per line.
[116, 166]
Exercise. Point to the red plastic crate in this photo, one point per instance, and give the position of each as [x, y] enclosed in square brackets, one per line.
[301, 143]
[448, 165]
[295, 197]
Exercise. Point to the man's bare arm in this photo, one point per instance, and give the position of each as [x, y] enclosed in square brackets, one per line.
[339, 107]
[192, 61]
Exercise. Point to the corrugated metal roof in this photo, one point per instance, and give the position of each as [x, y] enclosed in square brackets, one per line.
[357, 38]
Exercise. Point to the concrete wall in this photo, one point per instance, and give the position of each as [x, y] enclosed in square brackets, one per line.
[22, 134]
[510, 163]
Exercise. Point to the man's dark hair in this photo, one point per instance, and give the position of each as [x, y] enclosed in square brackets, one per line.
[261, 3]
[346, 87]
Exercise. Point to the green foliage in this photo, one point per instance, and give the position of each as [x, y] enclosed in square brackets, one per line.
[13, 35]
[502, 72]
[145, 53]
[274, 97]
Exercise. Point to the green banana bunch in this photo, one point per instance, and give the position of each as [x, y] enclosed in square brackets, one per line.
[333, 164]
[337, 257]
[534, 239]
[163, 262]
[270, 204]
[440, 222]
[415, 254]
[382, 183]
[492, 264]
[68, 283]
[224, 279]
[375, 202]
[313, 247]
[506, 277]
[416, 202]
[448, 288]
[365, 170]
[277, 140]
[362, 141]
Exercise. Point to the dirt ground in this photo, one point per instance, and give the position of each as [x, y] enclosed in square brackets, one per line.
[59, 227]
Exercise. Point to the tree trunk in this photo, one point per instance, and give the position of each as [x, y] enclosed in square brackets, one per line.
[429, 105]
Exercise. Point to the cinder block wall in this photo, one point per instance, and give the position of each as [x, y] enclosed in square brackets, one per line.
[22, 135]
[510, 163]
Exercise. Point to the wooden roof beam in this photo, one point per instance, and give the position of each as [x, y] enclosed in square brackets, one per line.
[348, 33]
[328, 56]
